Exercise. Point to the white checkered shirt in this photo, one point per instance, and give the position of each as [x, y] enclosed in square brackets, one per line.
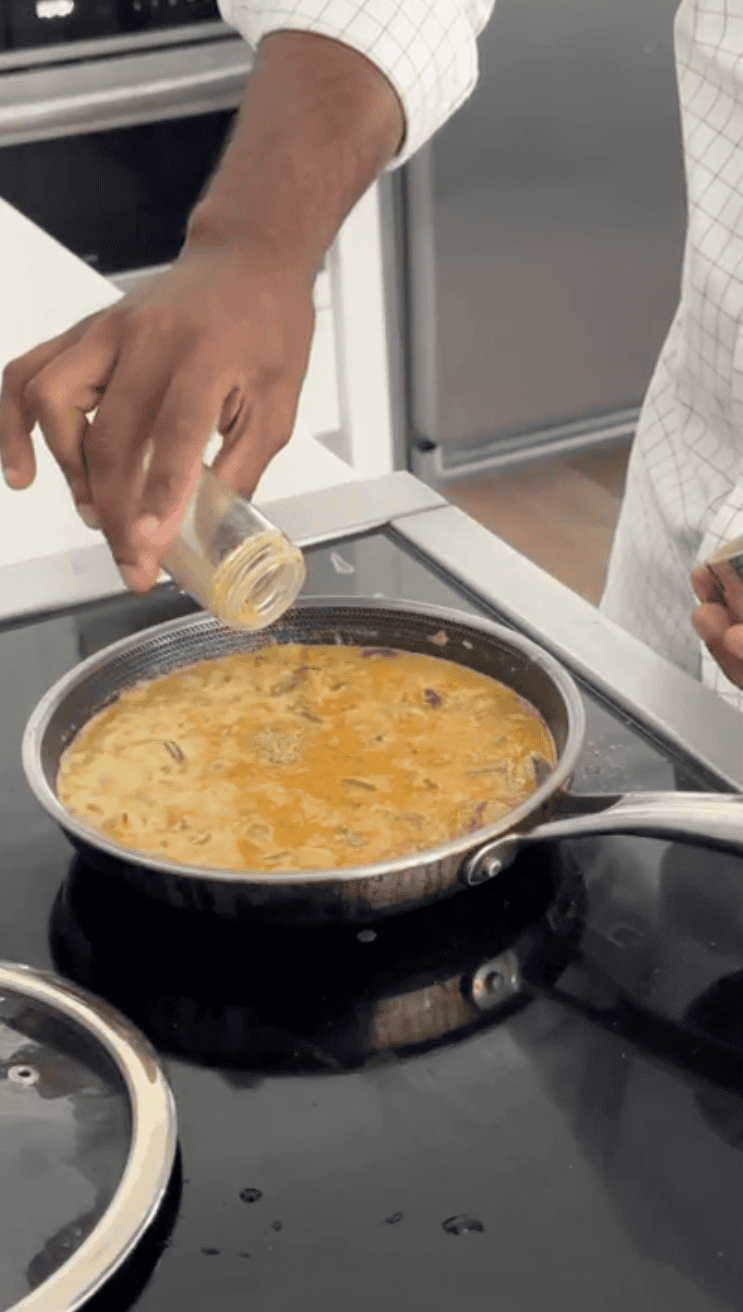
[427, 49]
[684, 494]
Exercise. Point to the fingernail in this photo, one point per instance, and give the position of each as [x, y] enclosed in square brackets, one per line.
[89, 515]
[11, 476]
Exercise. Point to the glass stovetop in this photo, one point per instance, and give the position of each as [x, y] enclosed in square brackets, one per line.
[379, 1117]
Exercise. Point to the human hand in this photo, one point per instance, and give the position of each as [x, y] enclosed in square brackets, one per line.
[222, 339]
[717, 626]
[219, 341]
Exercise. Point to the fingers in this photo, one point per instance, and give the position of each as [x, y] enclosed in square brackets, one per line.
[264, 428]
[723, 639]
[16, 447]
[151, 534]
[183, 426]
[711, 622]
[18, 398]
[733, 642]
[117, 441]
[184, 422]
[706, 585]
[61, 397]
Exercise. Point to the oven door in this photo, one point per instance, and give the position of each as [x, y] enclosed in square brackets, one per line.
[108, 144]
[118, 199]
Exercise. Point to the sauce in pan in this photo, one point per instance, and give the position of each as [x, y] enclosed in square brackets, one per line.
[304, 758]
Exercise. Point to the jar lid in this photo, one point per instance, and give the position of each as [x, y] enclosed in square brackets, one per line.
[87, 1141]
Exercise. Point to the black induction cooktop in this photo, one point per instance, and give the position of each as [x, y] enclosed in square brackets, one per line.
[530, 1095]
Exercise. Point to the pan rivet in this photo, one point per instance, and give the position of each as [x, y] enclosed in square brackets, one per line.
[481, 871]
[494, 981]
[494, 866]
[23, 1075]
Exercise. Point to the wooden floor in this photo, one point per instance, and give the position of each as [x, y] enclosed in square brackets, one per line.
[560, 513]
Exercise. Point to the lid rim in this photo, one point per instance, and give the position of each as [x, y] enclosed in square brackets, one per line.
[150, 1159]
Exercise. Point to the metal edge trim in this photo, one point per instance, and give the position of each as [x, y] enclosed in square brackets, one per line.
[45, 708]
[506, 454]
[390, 189]
[422, 320]
[663, 698]
[46, 103]
[120, 44]
[127, 114]
[520, 449]
[87, 574]
[441, 464]
[359, 506]
[145, 1178]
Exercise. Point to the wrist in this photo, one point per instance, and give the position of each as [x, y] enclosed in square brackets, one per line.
[217, 228]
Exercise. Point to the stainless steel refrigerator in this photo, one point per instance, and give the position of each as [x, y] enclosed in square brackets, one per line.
[544, 230]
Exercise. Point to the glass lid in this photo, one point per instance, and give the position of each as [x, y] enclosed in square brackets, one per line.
[87, 1141]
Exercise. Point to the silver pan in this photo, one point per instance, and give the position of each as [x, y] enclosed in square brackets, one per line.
[362, 893]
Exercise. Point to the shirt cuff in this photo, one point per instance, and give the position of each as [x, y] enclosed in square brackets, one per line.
[427, 49]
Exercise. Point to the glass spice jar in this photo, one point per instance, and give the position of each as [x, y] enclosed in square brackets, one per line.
[232, 559]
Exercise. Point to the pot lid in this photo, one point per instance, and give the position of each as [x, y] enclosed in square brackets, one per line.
[87, 1141]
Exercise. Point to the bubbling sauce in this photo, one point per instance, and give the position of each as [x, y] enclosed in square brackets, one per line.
[304, 758]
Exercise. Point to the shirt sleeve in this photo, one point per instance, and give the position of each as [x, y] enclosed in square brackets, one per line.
[427, 49]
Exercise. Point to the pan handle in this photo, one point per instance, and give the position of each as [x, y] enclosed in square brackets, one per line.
[705, 819]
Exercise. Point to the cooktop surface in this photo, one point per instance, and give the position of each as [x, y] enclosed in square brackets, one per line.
[531, 1093]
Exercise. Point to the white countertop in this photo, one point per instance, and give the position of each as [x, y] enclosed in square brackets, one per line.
[44, 289]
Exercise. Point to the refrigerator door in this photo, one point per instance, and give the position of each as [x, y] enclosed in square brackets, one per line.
[545, 227]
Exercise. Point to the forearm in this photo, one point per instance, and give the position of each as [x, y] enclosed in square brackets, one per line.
[318, 124]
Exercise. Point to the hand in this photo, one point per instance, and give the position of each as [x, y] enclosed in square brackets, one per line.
[721, 632]
[219, 341]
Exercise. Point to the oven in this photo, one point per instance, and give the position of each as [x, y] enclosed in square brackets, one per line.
[112, 117]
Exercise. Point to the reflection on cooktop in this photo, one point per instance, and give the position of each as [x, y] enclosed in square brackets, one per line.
[252, 999]
[259, 999]
[719, 1013]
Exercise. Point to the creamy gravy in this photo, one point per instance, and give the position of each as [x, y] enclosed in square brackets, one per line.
[304, 757]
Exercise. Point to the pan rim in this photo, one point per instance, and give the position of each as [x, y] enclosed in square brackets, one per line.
[561, 678]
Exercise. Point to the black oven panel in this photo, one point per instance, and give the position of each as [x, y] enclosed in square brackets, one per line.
[30, 23]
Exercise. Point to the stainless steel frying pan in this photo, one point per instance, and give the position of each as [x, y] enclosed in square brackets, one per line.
[362, 893]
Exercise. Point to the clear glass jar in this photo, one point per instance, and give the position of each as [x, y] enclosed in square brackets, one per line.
[233, 560]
